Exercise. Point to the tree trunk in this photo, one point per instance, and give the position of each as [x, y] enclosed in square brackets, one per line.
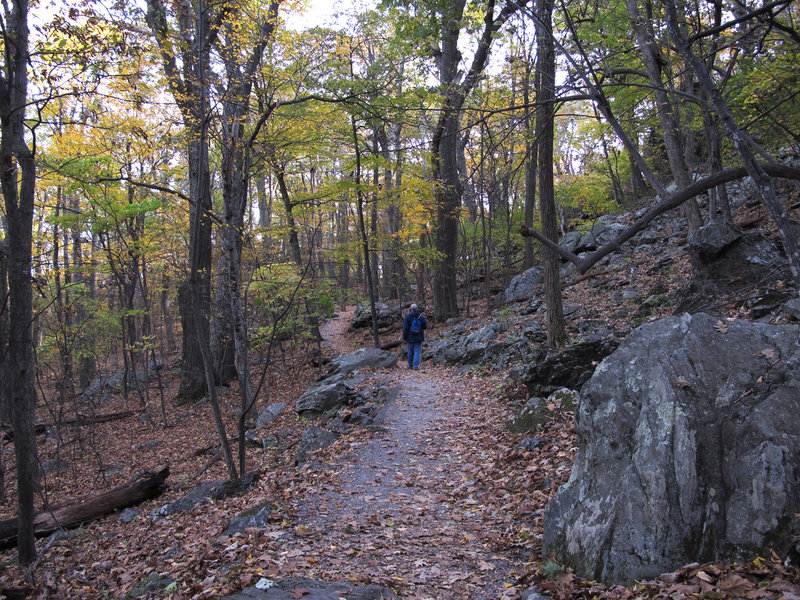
[188, 85]
[667, 110]
[294, 240]
[364, 241]
[195, 313]
[18, 181]
[556, 329]
[3, 345]
[531, 159]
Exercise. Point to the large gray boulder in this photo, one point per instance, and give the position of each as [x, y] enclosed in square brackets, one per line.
[689, 439]
[387, 315]
[522, 286]
[325, 395]
[361, 359]
[570, 367]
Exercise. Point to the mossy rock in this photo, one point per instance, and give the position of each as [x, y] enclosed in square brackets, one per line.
[531, 416]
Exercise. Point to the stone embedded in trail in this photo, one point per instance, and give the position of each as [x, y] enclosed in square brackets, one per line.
[314, 439]
[689, 439]
[309, 589]
[253, 518]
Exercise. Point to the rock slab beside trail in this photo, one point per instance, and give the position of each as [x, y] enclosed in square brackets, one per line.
[689, 438]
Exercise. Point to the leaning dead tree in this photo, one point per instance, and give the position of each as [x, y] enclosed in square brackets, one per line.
[668, 203]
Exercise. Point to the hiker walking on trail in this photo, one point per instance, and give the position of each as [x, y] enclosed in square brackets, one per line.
[414, 334]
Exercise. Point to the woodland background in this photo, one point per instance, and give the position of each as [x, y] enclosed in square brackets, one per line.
[196, 180]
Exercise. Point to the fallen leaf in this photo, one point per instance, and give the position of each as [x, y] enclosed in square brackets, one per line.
[721, 326]
[299, 592]
[735, 585]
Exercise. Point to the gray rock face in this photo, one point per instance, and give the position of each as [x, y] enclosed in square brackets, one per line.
[205, 492]
[328, 394]
[269, 414]
[569, 368]
[523, 285]
[689, 450]
[362, 358]
[387, 315]
[723, 255]
[792, 308]
[202, 493]
[336, 389]
[255, 518]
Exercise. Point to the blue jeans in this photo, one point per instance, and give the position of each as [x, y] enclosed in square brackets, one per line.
[414, 349]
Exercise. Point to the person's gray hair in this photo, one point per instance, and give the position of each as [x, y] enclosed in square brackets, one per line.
[413, 307]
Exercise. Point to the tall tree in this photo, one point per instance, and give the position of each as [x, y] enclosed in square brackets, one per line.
[185, 51]
[456, 86]
[240, 63]
[18, 180]
[668, 107]
[545, 129]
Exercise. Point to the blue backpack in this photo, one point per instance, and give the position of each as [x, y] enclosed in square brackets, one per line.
[415, 328]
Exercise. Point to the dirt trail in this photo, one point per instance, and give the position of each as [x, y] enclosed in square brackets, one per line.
[403, 507]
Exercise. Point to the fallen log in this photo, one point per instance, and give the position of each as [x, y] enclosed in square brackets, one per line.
[143, 487]
[39, 428]
[96, 419]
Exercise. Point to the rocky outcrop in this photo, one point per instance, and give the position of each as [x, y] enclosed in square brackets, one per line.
[570, 367]
[523, 286]
[325, 395]
[337, 387]
[723, 256]
[387, 315]
[689, 438]
[365, 358]
[482, 346]
[314, 439]
[205, 492]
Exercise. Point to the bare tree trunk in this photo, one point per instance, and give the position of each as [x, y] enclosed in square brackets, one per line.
[667, 111]
[531, 158]
[3, 345]
[18, 181]
[363, 231]
[546, 63]
[288, 205]
[187, 82]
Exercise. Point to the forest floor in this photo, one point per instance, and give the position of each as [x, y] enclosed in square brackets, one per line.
[439, 502]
